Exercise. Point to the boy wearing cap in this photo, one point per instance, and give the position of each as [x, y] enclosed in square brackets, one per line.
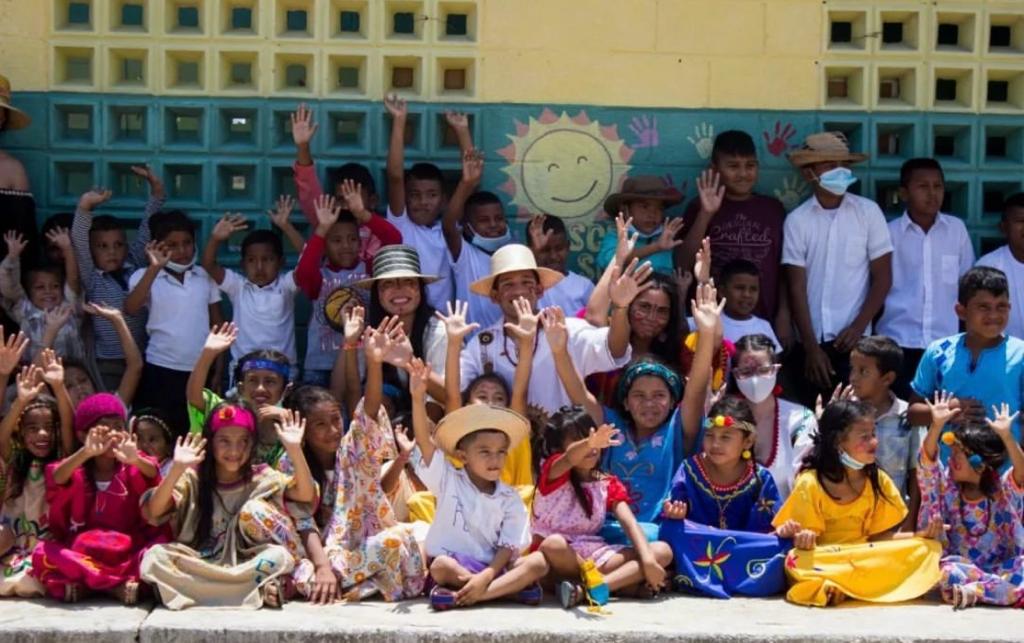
[643, 200]
[481, 523]
[838, 258]
[515, 274]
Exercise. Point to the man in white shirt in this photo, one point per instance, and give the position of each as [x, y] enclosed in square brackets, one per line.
[931, 251]
[514, 274]
[1010, 259]
[839, 264]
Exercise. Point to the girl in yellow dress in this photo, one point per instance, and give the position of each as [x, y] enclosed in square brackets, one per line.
[848, 511]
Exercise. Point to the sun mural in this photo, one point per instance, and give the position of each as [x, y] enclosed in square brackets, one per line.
[566, 166]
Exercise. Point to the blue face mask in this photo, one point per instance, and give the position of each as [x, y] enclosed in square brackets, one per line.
[654, 233]
[849, 462]
[837, 180]
[490, 244]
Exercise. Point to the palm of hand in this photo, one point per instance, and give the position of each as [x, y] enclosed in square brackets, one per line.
[186, 455]
[399, 353]
[290, 434]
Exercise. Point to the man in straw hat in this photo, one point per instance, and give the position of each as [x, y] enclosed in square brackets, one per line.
[516, 279]
[838, 258]
[481, 523]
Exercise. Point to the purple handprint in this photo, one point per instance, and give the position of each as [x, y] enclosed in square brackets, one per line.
[645, 130]
[669, 182]
[779, 142]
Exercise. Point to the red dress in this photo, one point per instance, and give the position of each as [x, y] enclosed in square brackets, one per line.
[97, 536]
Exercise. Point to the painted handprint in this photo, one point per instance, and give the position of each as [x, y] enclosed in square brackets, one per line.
[777, 142]
[670, 183]
[645, 129]
[703, 139]
[792, 192]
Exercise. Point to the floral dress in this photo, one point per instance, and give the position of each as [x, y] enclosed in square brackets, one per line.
[26, 516]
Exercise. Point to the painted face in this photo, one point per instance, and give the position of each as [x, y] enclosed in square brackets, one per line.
[45, 290]
[555, 255]
[650, 313]
[860, 441]
[648, 214]
[399, 296]
[152, 440]
[485, 455]
[342, 243]
[261, 387]
[739, 174]
[866, 378]
[424, 200]
[261, 264]
[324, 427]
[513, 285]
[108, 248]
[724, 445]
[488, 392]
[181, 245]
[985, 314]
[39, 431]
[751, 363]
[741, 293]
[78, 383]
[488, 220]
[232, 449]
[924, 192]
[649, 402]
[960, 468]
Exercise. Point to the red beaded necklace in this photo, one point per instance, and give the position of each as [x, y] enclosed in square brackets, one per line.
[727, 488]
[775, 437]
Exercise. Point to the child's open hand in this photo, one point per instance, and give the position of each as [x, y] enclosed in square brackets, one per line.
[158, 254]
[805, 539]
[102, 310]
[683, 279]
[229, 224]
[221, 337]
[402, 441]
[11, 351]
[279, 216]
[702, 262]
[788, 529]
[355, 320]
[456, 120]
[57, 316]
[98, 440]
[29, 382]
[627, 284]
[472, 167]
[327, 212]
[419, 374]
[396, 106]
[553, 319]
[53, 368]
[455, 322]
[539, 239]
[353, 195]
[303, 127]
[942, 409]
[291, 429]
[525, 328]
[674, 509]
[374, 345]
[127, 448]
[625, 241]
[156, 185]
[190, 450]
[93, 198]
[325, 586]
[667, 239]
[711, 191]
[398, 350]
[603, 437]
[15, 243]
[707, 311]
[1003, 422]
[59, 237]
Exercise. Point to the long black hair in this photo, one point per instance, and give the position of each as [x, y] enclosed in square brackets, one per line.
[978, 439]
[824, 459]
[424, 313]
[22, 459]
[665, 346]
[569, 423]
[303, 399]
[207, 478]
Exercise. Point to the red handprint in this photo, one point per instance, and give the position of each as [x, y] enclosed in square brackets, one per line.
[779, 143]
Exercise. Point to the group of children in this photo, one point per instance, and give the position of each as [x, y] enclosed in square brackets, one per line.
[474, 421]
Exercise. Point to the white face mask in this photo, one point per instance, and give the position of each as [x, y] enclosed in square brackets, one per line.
[757, 388]
[180, 267]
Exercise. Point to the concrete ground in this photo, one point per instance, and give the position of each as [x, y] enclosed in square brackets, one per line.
[669, 619]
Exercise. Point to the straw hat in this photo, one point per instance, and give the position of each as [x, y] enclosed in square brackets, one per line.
[16, 119]
[513, 258]
[477, 417]
[396, 262]
[642, 187]
[825, 146]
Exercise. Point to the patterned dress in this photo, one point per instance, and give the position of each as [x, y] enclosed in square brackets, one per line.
[369, 550]
[725, 545]
[557, 510]
[26, 516]
[983, 551]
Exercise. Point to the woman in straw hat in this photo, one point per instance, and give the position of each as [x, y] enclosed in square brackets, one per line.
[16, 201]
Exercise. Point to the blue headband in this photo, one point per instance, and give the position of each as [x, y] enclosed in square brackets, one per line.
[259, 364]
[640, 369]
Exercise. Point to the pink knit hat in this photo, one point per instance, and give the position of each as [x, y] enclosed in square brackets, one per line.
[97, 406]
[232, 415]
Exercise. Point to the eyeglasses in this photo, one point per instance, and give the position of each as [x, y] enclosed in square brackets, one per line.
[763, 371]
[643, 309]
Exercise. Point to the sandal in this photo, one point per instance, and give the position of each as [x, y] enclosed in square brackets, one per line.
[532, 595]
[442, 598]
[962, 598]
[127, 593]
[272, 594]
[569, 594]
[71, 593]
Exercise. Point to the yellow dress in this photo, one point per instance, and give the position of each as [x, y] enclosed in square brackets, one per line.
[844, 562]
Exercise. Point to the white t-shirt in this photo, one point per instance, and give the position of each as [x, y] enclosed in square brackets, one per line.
[468, 521]
[836, 247]
[571, 294]
[473, 264]
[1002, 259]
[588, 347]
[265, 316]
[434, 258]
[179, 316]
[926, 270]
[733, 329]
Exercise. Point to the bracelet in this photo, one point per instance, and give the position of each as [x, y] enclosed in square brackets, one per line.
[352, 347]
[614, 307]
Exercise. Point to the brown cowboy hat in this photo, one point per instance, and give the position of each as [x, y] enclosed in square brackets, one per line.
[513, 258]
[642, 187]
[822, 147]
[477, 417]
[16, 119]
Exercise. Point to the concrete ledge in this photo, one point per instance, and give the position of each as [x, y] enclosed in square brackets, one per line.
[88, 622]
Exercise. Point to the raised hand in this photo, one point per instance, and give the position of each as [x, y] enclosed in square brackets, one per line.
[15, 243]
[291, 429]
[93, 198]
[941, 406]
[355, 320]
[667, 239]
[97, 441]
[539, 239]
[126, 448]
[57, 316]
[455, 321]
[553, 319]
[711, 191]
[29, 383]
[156, 185]
[228, 225]
[303, 126]
[158, 254]
[59, 237]
[53, 368]
[11, 351]
[1003, 421]
[472, 166]
[375, 343]
[525, 328]
[402, 441]
[702, 262]
[419, 375]
[625, 242]
[353, 196]
[102, 310]
[603, 437]
[707, 310]
[327, 211]
[456, 120]
[683, 279]
[627, 284]
[396, 106]
[190, 450]
[398, 350]
[279, 216]
[674, 509]
[221, 337]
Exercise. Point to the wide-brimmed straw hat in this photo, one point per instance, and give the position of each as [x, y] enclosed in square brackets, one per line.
[396, 262]
[477, 417]
[823, 147]
[16, 119]
[636, 188]
[513, 258]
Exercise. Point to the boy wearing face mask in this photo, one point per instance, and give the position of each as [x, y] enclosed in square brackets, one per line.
[838, 258]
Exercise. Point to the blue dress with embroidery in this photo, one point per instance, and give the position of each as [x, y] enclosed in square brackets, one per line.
[726, 545]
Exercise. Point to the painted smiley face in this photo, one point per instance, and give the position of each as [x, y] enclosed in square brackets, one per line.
[567, 173]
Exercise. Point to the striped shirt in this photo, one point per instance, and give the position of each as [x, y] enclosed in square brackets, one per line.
[105, 287]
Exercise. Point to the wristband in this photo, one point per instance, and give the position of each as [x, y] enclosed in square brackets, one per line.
[352, 347]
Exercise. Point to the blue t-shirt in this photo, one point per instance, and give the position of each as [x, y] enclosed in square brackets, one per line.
[996, 377]
[660, 261]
